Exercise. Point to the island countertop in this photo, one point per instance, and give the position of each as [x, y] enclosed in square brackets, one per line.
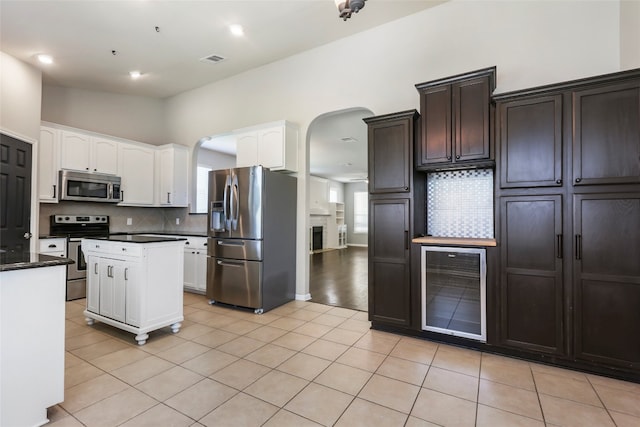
[135, 238]
[22, 260]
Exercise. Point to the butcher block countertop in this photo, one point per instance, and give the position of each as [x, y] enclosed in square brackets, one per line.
[456, 241]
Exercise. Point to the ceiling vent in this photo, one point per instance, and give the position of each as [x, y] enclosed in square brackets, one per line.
[213, 59]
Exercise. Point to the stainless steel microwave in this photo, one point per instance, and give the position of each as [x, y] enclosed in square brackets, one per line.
[89, 187]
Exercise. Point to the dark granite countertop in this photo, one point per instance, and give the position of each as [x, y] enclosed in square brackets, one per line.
[163, 233]
[134, 238]
[22, 260]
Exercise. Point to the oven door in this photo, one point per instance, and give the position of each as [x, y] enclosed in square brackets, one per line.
[77, 270]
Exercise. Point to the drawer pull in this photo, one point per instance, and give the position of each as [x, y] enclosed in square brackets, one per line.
[53, 245]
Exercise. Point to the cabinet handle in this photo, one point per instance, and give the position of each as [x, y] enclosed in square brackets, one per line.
[86, 168]
[95, 268]
[126, 273]
[124, 249]
[578, 247]
[187, 242]
[108, 271]
[578, 179]
[406, 188]
[448, 157]
[559, 245]
[52, 246]
[54, 191]
[457, 156]
[559, 181]
[406, 240]
[168, 197]
[95, 170]
[122, 195]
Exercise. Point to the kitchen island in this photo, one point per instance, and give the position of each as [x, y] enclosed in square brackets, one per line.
[32, 316]
[135, 282]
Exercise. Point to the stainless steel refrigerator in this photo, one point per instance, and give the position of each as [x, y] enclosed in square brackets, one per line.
[251, 249]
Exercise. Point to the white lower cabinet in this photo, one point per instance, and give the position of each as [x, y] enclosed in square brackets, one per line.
[195, 265]
[136, 287]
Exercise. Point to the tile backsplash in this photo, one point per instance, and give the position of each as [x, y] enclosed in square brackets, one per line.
[460, 203]
[143, 219]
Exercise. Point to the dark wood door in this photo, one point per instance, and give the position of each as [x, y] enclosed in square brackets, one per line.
[531, 295]
[606, 125]
[607, 278]
[435, 107]
[471, 118]
[389, 261]
[391, 152]
[15, 194]
[531, 142]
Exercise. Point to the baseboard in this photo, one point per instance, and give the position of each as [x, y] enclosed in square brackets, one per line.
[303, 297]
[360, 245]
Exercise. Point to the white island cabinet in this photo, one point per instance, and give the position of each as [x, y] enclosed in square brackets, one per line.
[135, 283]
[32, 310]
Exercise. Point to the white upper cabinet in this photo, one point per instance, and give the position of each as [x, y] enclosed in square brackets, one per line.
[48, 164]
[87, 153]
[172, 164]
[247, 149]
[137, 173]
[272, 145]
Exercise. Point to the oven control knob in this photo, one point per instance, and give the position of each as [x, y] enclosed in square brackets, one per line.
[66, 218]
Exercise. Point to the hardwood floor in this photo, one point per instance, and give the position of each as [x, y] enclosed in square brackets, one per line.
[339, 278]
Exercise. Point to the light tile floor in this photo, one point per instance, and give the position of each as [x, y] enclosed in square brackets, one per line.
[307, 364]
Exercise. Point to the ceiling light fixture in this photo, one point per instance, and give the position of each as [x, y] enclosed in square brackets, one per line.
[45, 59]
[135, 74]
[236, 30]
[347, 7]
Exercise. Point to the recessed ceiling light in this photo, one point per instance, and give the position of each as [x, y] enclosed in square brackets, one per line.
[135, 74]
[45, 59]
[236, 30]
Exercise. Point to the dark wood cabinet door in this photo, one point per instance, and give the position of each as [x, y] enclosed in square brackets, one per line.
[435, 106]
[471, 119]
[390, 154]
[531, 295]
[531, 142]
[389, 261]
[606, 139]
[607, 278]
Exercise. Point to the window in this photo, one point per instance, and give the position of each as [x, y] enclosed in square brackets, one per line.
[360, 212]
[202, 189]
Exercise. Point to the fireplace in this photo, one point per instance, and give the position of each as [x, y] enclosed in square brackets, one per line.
[316, 238]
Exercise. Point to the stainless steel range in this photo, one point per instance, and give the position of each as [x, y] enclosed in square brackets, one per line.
[74, 228]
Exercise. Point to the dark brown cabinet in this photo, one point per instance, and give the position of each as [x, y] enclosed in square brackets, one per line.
[607, 278]
[390, 154]
[396, 215]
[455, 120]
[606, 139]
[389, 261]
[568, 202]
[530, 137]
[532, 314]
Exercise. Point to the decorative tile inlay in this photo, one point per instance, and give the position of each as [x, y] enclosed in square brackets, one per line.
[460, 203]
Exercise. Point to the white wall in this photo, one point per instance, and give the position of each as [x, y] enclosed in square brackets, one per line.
[215, 159]
[20, 97]
[126, 116]
[629, 34]
[531, 43]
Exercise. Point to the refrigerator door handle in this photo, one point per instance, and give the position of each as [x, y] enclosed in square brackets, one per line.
[226, 202]
[230, 243]
[230, 263]
[235, 202]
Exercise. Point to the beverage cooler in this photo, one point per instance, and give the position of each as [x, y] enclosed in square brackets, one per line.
[454, 291]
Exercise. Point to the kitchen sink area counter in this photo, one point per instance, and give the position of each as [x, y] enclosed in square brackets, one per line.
[32, 324]
[135, 282]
